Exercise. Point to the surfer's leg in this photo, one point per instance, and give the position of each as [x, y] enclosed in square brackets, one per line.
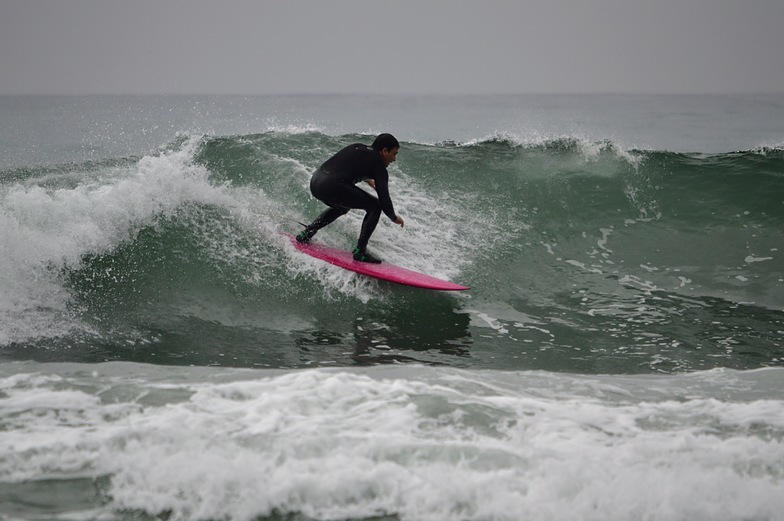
[340, 198]
[326, 217]
[372, 215]
[369, 224]
[329, 192]
[355, 197]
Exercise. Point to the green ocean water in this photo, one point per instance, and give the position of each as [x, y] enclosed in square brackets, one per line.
[583, 257]
[166, 354]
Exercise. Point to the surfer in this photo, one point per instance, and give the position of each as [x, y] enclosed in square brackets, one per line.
[334, 184]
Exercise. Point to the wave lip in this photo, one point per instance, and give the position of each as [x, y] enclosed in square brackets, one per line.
[47, 228]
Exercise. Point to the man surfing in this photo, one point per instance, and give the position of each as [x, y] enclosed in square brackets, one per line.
[334, 184]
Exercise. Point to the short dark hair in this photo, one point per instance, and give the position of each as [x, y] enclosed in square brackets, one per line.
[387, 141]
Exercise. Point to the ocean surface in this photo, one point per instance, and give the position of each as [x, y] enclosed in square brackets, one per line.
[165, 354]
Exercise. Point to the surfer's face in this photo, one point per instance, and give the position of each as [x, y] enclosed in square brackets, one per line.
[389, 156]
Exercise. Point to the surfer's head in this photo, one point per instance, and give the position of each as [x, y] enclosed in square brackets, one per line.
[387, 141]
[386, 145]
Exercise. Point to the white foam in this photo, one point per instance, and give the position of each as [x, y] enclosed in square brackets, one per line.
[462, 445]
[45, 229]
[750, 258]
[768, 148]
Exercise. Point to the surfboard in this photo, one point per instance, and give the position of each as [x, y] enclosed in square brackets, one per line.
[383, 271]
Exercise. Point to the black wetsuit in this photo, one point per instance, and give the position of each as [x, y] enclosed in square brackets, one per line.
[334, 182]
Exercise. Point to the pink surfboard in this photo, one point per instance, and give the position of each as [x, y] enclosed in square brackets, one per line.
[383, 271]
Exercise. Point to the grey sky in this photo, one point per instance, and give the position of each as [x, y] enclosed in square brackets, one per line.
[395, 46]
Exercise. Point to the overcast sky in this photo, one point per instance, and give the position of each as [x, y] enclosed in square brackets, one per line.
[391, 46]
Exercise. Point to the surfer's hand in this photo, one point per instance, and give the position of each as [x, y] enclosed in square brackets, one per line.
[371, 182]
[399, 220]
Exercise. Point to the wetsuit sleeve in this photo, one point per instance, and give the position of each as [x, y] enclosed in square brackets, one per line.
[382, 190]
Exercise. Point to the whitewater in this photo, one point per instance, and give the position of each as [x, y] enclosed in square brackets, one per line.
[166, 354]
